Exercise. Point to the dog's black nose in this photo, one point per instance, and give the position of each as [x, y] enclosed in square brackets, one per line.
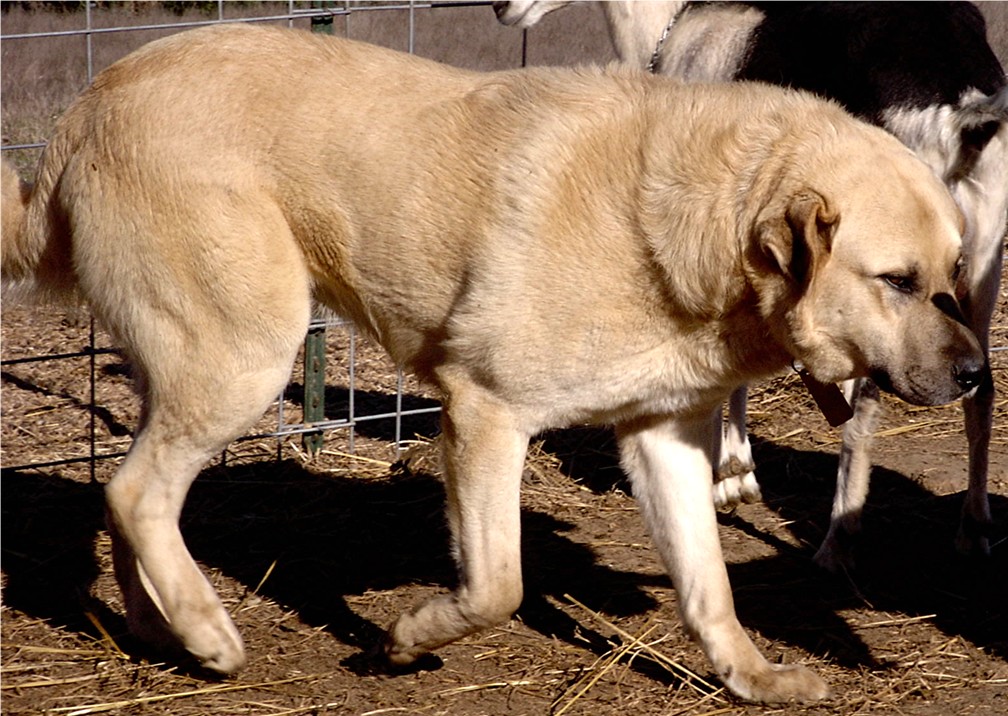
[969, 373]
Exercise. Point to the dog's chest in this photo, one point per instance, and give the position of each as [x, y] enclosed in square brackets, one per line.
[671, 379]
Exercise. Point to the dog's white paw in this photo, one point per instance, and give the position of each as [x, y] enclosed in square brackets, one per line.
[734, 489]
[778, 683]
[204, 629]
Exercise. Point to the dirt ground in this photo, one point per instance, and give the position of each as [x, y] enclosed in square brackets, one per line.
[316, 557]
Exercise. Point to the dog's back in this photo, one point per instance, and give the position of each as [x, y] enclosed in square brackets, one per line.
[345, 148]
[874, 56]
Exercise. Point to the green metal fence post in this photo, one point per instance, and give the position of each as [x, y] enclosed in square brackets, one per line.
[314, 386]
[315, 341]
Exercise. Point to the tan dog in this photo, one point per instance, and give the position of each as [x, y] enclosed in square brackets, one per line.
[548, 247]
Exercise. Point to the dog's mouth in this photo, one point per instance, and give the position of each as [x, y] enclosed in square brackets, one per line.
[913, 393]
[882, 379]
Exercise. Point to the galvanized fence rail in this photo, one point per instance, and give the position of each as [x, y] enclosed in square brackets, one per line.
[315, 423]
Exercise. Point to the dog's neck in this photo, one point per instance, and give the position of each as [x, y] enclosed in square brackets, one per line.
[828, 398]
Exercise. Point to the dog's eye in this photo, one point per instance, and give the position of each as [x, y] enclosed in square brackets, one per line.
[903, 284]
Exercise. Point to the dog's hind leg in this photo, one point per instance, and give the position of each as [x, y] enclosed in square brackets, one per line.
[192, 411]
[670, 469]
[168, 600]
[853, 475]
[736, 478]
[213, 330]
[483, 453]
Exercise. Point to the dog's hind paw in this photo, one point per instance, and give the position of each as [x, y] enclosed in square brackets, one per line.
[208, 635]
[734, 489]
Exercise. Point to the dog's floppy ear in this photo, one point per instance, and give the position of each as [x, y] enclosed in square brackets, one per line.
[796, 234]
[979, 120]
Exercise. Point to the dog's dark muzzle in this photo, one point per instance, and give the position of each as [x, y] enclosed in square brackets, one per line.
[939, 374]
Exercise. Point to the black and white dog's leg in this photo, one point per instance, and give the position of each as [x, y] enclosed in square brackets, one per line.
[978, 411]
[982, 191]
[853, 475]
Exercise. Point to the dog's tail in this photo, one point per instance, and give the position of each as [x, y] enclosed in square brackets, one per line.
[34, 249]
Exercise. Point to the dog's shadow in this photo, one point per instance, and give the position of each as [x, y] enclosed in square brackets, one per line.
[906, 563]
[323, 539]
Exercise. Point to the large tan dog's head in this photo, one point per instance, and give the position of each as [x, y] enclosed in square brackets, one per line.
[855, 258]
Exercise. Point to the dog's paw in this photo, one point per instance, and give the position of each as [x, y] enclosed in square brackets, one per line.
[734, 489]
[215, 648]
[378, 660]
[208, 635]
[219, 650]
[777, 684]
[400, 659]
[973, 537]
[836, 553]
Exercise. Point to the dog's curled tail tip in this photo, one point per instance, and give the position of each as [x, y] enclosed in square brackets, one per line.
[14, 197]
[35, 262]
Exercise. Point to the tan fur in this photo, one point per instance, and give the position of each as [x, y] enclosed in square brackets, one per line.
[547, 247]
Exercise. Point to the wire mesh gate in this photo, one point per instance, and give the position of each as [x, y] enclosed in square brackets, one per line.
[322, 17]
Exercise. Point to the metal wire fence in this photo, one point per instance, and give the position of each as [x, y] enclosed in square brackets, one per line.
[351, 19]
[315, 421]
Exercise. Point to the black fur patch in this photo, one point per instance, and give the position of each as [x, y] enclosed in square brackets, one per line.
[872, 56]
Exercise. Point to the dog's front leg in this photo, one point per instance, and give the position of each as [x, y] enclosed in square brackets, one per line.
[836, 554]
[483, 455]
[670, 464]
[973, 536]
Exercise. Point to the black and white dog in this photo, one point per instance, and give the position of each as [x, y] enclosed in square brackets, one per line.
[923, 71]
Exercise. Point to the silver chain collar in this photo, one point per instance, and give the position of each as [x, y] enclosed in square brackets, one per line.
[654, 64]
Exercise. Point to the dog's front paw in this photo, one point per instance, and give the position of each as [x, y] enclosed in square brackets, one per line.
[836, 553]
[407, 645]
[973, 537]
[400, 656]
[777, 684]
[396, 661]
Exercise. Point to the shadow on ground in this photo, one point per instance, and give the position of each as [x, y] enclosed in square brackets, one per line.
[332, 537]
